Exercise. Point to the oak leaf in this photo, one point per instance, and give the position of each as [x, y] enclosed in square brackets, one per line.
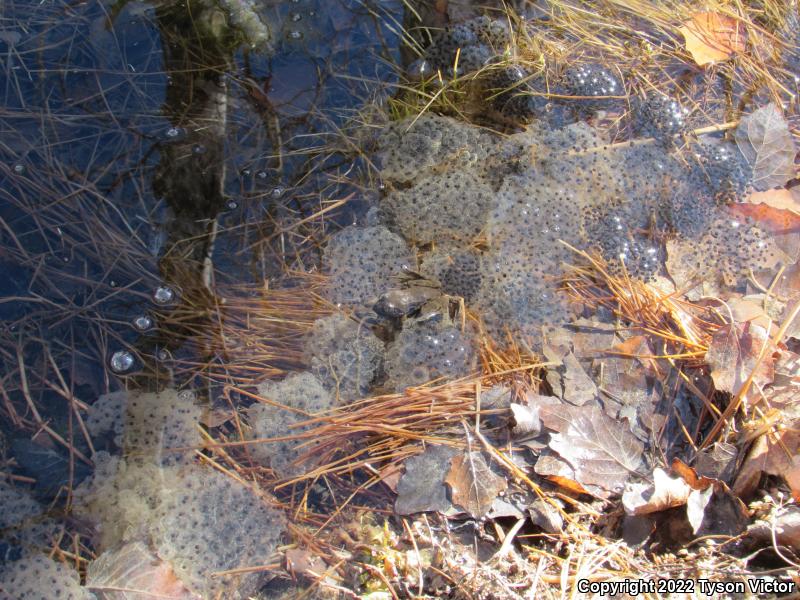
[602, 451]
[711, 37]
[473, 484]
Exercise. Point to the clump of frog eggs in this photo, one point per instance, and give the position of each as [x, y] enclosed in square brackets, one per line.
[492, 219]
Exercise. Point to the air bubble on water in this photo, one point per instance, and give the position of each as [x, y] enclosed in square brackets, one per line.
[277, 192]
[295, 35]
[143, 322]
[199, 149]
[112, 283]
[186, 395]
[162, 355]
[121, 361]
[232, 205]
[163, 295]
[262, 175]
[174, 132]
[18, 168]
[296, 17]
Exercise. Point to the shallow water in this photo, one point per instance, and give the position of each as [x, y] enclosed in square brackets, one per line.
[149, 158]
[160, 171]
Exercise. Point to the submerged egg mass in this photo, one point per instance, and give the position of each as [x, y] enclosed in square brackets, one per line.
[494, 218]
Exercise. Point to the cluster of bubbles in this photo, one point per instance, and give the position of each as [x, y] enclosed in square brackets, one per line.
[124, 361]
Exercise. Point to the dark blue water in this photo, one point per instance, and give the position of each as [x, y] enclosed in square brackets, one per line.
[147, 145]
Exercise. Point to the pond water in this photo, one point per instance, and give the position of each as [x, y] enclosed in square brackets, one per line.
[220, 218]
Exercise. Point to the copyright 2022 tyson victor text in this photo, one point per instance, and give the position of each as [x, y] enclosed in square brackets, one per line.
[708, 587]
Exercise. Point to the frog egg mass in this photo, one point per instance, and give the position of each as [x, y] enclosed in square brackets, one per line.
[490, 218]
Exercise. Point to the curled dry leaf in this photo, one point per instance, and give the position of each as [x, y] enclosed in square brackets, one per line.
[300, 561]
[764, 139]
[711, 37]
[738, 351]
[665, 492]
[473, 484]
[774, 454]
[526, 420]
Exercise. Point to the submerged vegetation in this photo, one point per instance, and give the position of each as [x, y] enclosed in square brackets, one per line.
[398, 299]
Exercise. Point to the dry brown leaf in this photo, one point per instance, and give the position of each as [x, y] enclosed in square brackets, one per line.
[132, 572]
[300, 561]
[737, 351]
[545, 514]
[473, 484]
[711, 37]
[764, 139]
[777, 221]
[603, 452]
[774, 454]
[665, 492]
[745, 310]
[781, 199]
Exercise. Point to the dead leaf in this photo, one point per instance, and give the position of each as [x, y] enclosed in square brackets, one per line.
[781, 199]
[665, 492]
[390, 475]
[302, 562]
[132, 572]
[690, 476]
[603, 452]
[774, 454]
[716, 511]
[745, 310]
[737, 351]
[526, 421]
[764, 139]
[544, 514]
[578, 386]
[473, 484]
[776, 221]
[717, 462]
[711, 37]
[422, 488]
